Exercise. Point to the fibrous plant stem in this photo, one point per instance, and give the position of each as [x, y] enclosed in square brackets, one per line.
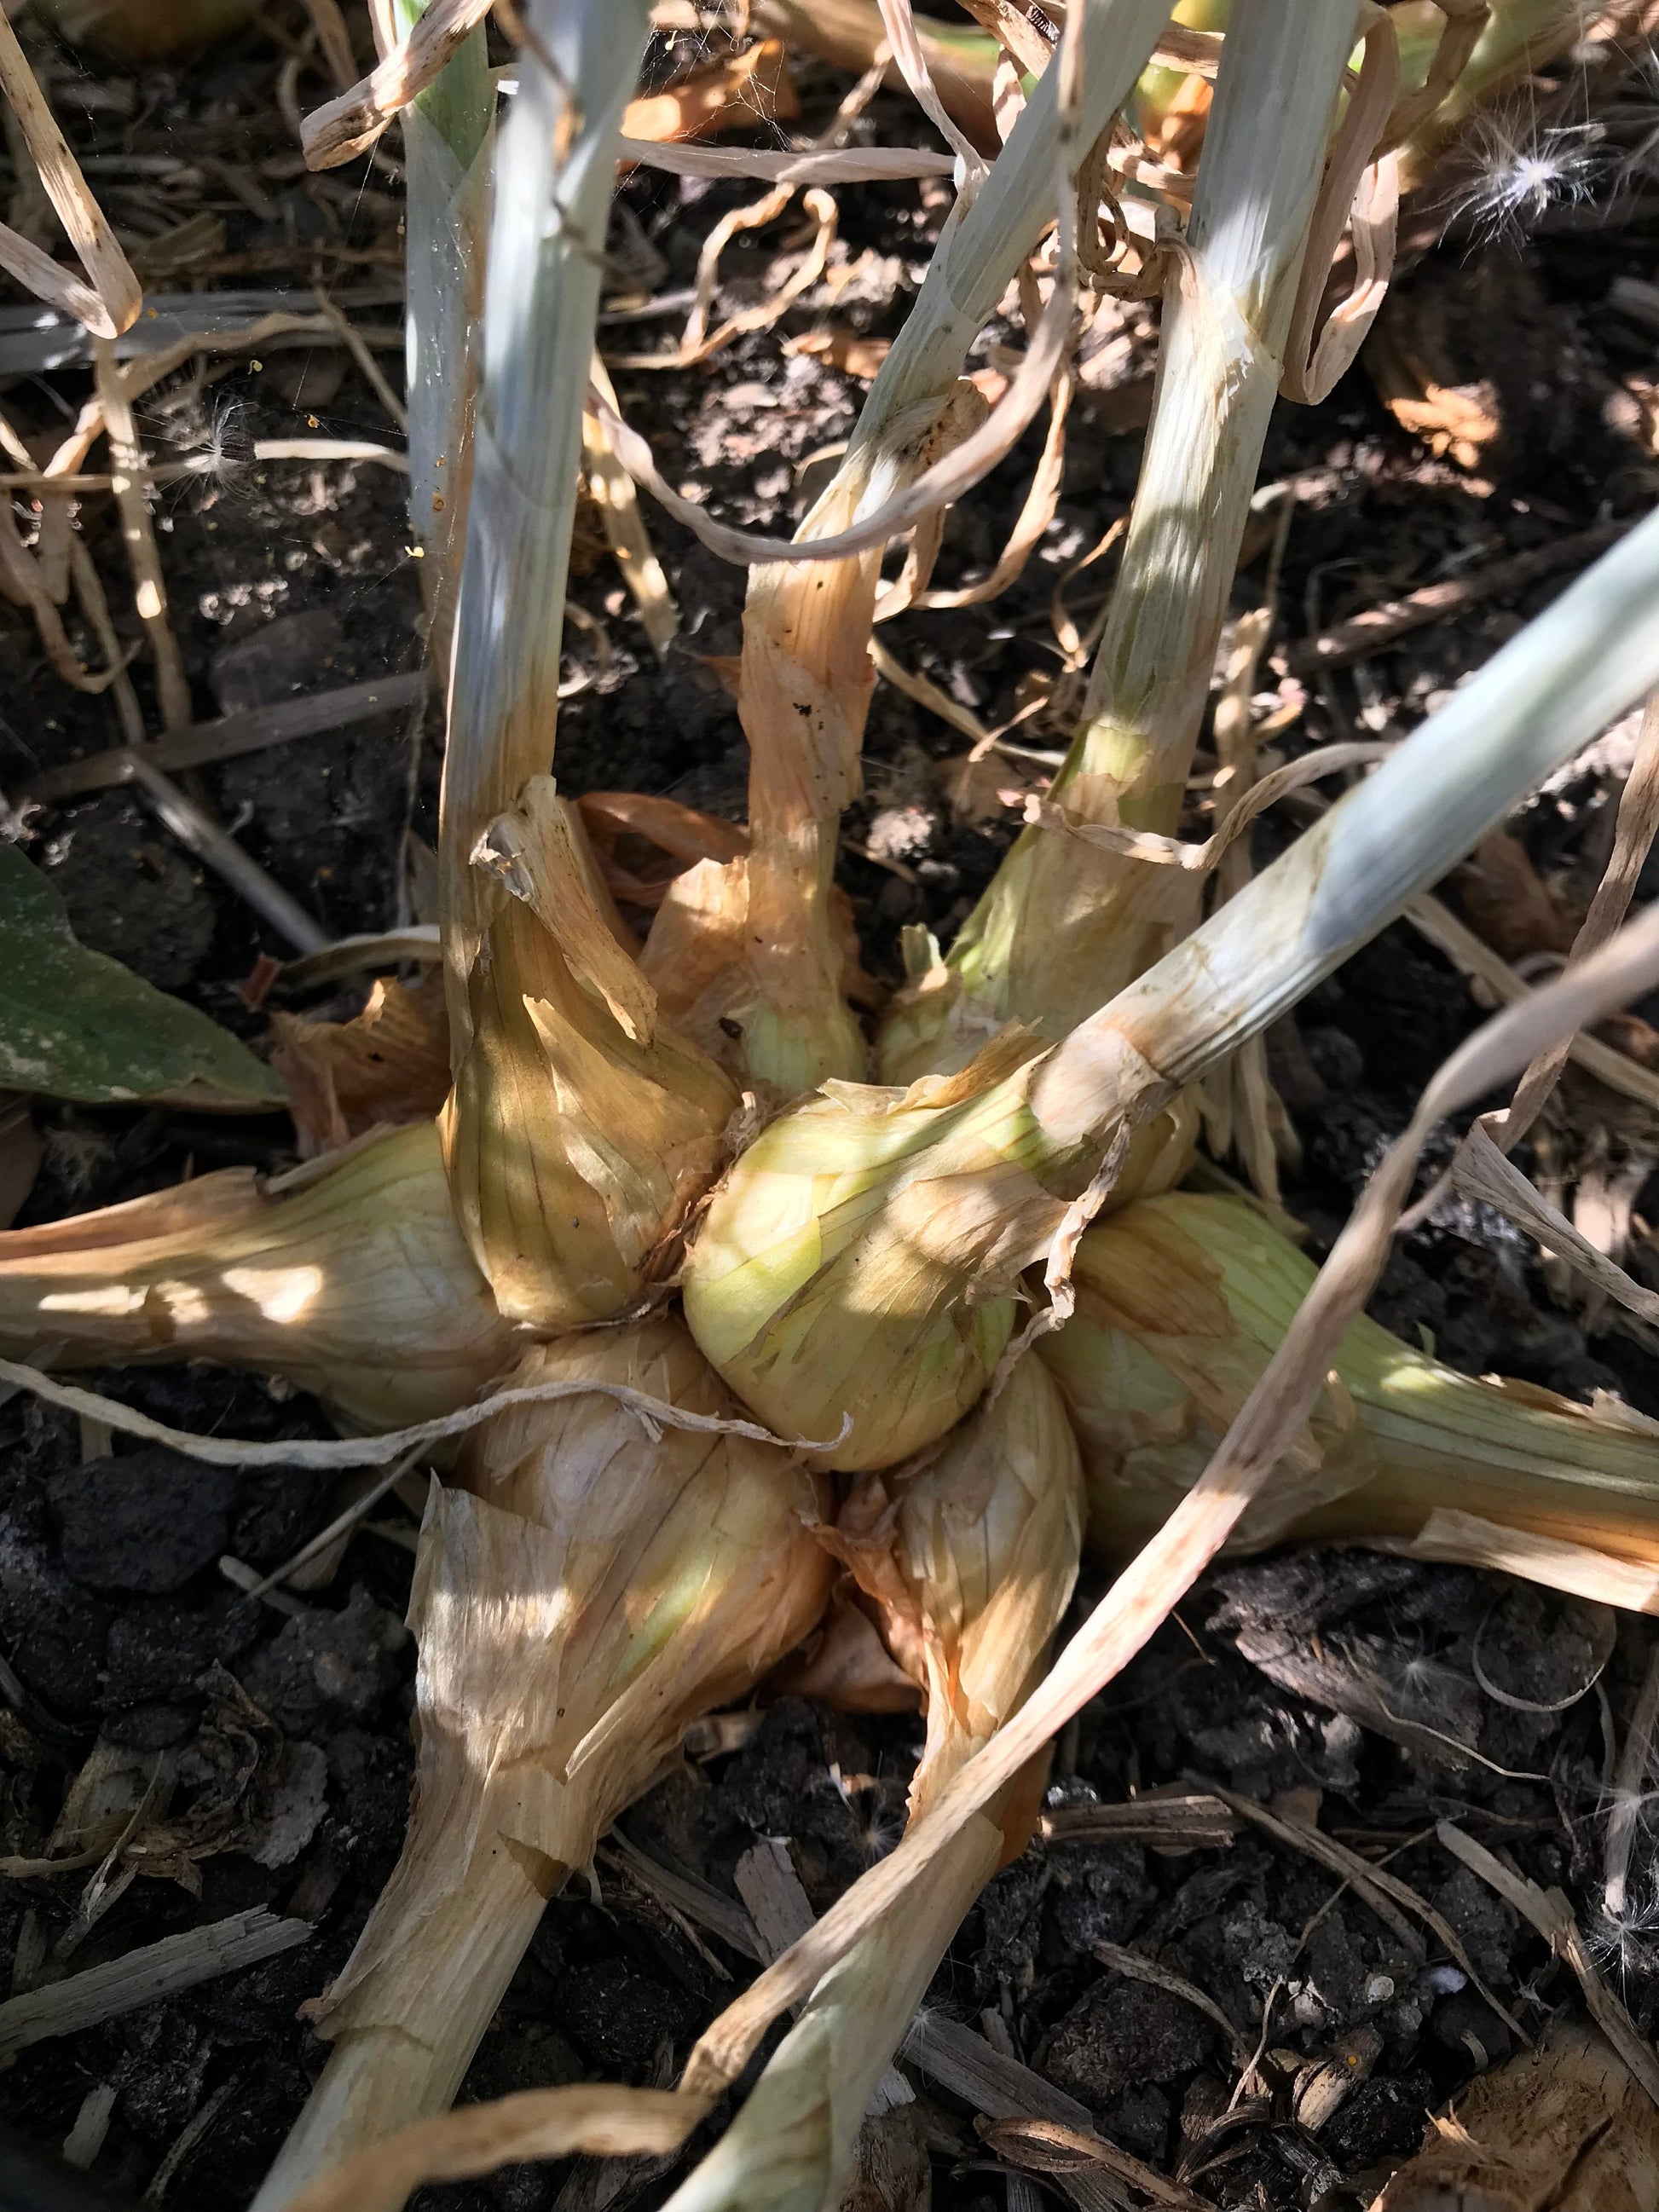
[447, 135]
[1064, 926]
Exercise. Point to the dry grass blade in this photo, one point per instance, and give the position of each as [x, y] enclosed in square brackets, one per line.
[247, 731]
[624, 528]
[1172, 1820]
[1033, 519]
[132, 487]
[350, 125]
[112, 305]
[1365, 193]
[601, 2119]
[911, 55]
[1549, 1912]
[1482, 965]
[831, 165]
[1464, 1540]
[1040, 2146]
[939, 486]
[145, 1976]
[364, 1451]
[22, 582]
[1360, 635]
[1632, 840]
[1487, 1174]
[198, 833]
[1181, 852]
[1138, 1969]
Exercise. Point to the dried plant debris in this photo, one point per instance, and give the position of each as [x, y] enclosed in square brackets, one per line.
[1561, 2129]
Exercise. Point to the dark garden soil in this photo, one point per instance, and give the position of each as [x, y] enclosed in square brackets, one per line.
[272, 1737]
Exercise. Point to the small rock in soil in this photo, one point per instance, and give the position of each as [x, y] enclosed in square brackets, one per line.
[619, 2017]
[370, 1778]
[53, 1631]
[1486, 1924]
[130, 893]
[157, 1650]
[145, 1521]
[270, 663]
[1099, 1894]
[325, 1670]
[1122, 2035]
[275, 1513]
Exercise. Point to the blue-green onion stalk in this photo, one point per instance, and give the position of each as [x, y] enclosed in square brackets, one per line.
[857, 1269]
[577, 1132]
[447, 138]
[1064, 925]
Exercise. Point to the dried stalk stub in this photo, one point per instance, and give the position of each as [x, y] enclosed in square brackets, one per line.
[1064, 926]
[349, 1278]
[967, 1569]
[1183, 1301]
[778, 996]
[592, 1590]
[581, 1128]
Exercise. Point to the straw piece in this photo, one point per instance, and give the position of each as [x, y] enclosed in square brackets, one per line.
[1364, 192]
[354, 956]
[1477, 961]
[598, 2119]
[939, 486]
[1174, 1822]
[915, 67]
[624, 526]
[1485, 1174]
[197, 830]
[367, 1451]
[1464, 1540]
[1138, 1968]
[145, 1977]
[1374, 631]
[130, 481]
[116, 296]
[828, 165]
[201, 744]
[349, 125]
[1632, 838]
